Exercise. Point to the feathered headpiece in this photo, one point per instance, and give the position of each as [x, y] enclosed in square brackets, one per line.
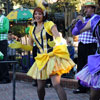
[42, 4]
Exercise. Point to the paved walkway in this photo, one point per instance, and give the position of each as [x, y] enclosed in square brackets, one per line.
[25, 91]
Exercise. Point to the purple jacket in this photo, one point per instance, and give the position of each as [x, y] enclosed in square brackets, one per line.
[79, 25]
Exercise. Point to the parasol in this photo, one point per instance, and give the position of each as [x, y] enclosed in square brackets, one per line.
[20, 14]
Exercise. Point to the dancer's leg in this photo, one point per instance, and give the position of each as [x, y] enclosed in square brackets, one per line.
[41, 89]
[56, 84]
[95, 94]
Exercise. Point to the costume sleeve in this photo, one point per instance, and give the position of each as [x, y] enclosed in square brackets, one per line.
[78, 27]
[31, 30]
[5, 26]
[94, 22]
[48, 26]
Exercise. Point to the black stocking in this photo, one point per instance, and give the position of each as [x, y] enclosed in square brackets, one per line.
[95, 94]
[41, 89]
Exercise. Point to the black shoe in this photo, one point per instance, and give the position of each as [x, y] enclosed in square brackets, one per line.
[79, 91]
[35, 84]
[5, 81]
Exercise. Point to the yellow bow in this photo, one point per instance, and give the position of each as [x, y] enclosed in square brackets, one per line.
[60, 51]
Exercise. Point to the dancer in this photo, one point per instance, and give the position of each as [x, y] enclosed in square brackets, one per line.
[52, 59]
[90, 74]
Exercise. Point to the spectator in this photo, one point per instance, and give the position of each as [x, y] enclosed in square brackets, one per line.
[11, 53]
[4, 28]
[71, 50]
[70, 47]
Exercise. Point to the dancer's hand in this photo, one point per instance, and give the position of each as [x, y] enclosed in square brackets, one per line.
[51, 43]
[80, 18]
[15, 45]
[59, 41]
[18, 45]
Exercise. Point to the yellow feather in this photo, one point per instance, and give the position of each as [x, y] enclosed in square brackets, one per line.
[39, 3]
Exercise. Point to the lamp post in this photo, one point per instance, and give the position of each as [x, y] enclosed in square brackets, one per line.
[66, 14]
[8, 6]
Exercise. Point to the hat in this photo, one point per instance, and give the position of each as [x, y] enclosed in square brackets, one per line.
[89, 3]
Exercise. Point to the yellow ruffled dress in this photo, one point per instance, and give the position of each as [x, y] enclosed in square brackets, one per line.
[49, 61]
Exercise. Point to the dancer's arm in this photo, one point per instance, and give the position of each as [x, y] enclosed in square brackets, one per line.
[86, 27]
[57, 38]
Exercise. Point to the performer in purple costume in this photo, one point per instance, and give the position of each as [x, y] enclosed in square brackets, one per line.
[90, 74]
[87, 44]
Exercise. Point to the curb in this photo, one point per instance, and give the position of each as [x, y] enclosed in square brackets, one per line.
[69, 83]
[65, 82]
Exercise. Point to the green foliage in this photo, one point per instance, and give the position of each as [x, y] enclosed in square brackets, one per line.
[60, 5]
[55, 7]
[25, 3]
[18, 30]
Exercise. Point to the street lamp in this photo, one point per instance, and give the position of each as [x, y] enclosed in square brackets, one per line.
[66, 14]
[8, 6]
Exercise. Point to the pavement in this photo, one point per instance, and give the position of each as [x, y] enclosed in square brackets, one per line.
[25, 91]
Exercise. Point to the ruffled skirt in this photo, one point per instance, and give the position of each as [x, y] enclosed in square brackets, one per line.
[55, 65]
[88, 79]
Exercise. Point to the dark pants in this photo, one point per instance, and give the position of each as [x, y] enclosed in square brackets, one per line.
[84, 50]
[3, 67]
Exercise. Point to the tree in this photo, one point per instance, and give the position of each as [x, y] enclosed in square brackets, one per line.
[25, 3]
[60, 5]
[18, 30]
